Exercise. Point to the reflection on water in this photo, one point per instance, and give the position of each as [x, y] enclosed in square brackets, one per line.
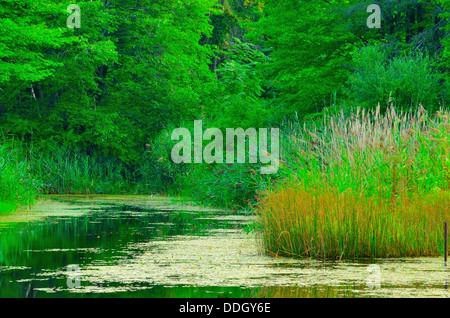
[153, 247]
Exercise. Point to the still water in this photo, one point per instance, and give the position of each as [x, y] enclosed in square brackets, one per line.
[141, 246]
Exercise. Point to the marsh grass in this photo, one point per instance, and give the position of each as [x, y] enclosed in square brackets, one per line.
[27, 171]
[67, 171]
[368, 185]
[324, 223]
[17, 185]
[231, 186]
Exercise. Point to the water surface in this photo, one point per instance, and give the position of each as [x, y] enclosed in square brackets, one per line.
[141, 246]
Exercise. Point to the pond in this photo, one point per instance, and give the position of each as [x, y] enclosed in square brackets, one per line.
[148, 246]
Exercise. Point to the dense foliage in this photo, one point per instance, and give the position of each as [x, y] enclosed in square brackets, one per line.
[365, 185]
[91, 109]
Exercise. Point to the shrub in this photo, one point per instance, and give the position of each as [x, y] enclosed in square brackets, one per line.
[221, 185]
[157, 169]
[404, 81]
[225, 185]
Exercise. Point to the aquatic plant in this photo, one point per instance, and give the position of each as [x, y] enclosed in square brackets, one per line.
[17, 184]
[27, 170]
[369, 185]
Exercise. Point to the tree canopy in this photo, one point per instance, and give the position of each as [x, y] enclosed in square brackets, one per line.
[134, 68]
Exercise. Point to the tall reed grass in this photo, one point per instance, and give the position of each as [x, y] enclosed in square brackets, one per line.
[17, 185]
[68, 171]
[368, 185]
[27, 171]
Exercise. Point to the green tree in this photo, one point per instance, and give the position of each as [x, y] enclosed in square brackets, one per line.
[112, 84]
[310, 47]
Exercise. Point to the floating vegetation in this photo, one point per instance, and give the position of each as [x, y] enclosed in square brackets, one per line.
[182, 254]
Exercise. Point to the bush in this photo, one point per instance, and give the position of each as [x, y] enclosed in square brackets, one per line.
[405, 81]
[221, 185]
[158, 170]
[225, 185]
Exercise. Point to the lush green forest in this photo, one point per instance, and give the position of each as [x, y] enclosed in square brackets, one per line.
[91, 108]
